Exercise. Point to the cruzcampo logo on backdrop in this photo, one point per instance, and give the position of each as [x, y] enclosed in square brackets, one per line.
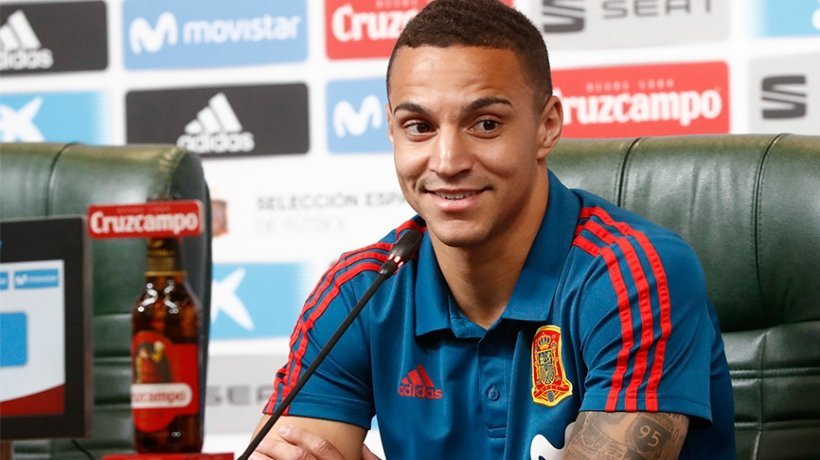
[367, 28]
[213, 33]
[662, 99]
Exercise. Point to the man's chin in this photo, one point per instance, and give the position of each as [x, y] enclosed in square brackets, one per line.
[461, 235]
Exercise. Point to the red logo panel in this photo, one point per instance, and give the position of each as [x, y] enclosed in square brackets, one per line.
[156, 219]
[367, 28]
[649, 100]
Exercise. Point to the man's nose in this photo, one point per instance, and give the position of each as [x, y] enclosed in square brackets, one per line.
[451, 154]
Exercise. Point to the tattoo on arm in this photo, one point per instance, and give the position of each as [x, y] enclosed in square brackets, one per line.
[620, 435]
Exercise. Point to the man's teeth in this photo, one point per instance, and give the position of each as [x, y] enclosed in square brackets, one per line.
[456, 196]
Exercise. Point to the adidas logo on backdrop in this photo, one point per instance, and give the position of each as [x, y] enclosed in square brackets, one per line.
[20, 49]
[216, 129]
[417, 384]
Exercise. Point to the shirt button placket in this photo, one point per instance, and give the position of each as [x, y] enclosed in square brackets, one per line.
[491, 386]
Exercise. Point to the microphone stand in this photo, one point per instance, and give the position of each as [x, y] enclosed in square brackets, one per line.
[404, 248]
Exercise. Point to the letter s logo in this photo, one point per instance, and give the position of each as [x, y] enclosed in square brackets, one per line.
[347, 120]
[142, 36]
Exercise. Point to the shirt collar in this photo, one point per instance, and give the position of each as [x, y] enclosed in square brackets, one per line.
[539, 277]
[533, 293]
[432, 294]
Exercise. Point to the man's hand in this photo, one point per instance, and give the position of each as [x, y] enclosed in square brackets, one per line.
[300, 438]
[627, 435]
[297, 444]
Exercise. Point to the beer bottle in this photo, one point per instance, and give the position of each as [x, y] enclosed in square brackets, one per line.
[165, 356]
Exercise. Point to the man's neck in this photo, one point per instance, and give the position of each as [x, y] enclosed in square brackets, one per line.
[482, 279]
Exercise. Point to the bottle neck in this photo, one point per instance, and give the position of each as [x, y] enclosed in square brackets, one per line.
[164, 258]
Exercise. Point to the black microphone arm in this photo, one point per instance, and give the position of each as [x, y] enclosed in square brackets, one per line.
[404, 248]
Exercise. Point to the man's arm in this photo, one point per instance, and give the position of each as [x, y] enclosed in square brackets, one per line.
[646, 435]
[308, 438]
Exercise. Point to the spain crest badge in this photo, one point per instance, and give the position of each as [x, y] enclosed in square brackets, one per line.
[550, 384]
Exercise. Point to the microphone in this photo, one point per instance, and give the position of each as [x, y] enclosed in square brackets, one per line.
[403, 249]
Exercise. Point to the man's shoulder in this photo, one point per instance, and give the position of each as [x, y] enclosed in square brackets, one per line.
[607, 219]
[378, 250]
[605, 229]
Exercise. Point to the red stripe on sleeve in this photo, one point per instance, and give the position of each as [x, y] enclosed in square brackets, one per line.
[586, 245]
[627, 339]
[656, 373]
[297, 356]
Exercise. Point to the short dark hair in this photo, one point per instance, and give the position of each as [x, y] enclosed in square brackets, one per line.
[484, 24]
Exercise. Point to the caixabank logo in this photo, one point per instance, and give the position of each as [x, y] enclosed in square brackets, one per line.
[44, 37]
[784, 18]
[668, 99]
[367, 28]
[255, 300]
[54, 117]
[591, 24]
[785, 94]
[213, 33]
[356, 120]
[223, 121]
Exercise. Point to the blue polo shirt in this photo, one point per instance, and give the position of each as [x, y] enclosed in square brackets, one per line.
[609, 313]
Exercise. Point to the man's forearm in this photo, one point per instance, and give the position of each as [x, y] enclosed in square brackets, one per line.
[627, 435]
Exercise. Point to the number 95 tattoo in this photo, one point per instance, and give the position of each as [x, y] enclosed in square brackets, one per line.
[618, 435]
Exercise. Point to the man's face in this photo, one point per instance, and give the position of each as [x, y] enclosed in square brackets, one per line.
[469, 144]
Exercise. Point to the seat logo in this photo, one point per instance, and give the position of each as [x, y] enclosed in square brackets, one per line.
[784, 97]
[18, 125]
[216, 129]
[143, 37]
[347, 120]
[563, 16]
[20, 49]
[417, 384]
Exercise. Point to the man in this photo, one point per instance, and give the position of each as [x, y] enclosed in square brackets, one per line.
[535, 321]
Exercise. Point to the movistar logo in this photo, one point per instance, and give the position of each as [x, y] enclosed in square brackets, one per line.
[166, 31]
[20, 49]
[143, 37]
[348, 120]
[36, 279]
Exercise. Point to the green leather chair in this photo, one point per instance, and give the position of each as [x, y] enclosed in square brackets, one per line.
[63, 179]
[750, 207]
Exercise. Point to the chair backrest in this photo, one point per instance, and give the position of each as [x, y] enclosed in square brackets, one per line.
[64, 179]
[750, 207]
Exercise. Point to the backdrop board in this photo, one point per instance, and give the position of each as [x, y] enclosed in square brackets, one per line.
[45, 357]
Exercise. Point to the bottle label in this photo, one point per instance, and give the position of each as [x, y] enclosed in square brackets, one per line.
[166, 380]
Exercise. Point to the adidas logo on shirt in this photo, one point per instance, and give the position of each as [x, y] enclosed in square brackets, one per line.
[216, 129]
[417, 384]
[20, 49]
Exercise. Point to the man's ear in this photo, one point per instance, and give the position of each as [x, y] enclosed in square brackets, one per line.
[389, 114]
[550, 124]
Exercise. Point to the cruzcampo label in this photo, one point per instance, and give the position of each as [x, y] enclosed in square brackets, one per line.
[166, 380]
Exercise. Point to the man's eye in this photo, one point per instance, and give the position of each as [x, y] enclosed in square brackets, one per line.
[419, 127]
[486, 125]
